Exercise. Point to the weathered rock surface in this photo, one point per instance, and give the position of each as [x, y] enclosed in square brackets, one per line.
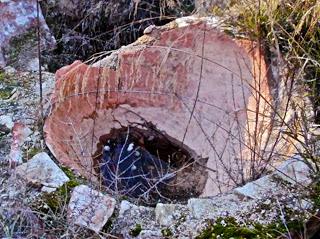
[131, 215]
[16, 194]
[18, 22]
[6, 122]
[90, 208]
[41, 170]
[19, 103]
[258, 189]
[187, 221]
[294, 171]
[193, 82]
[20, 132]
[216, 207]
[168, 214]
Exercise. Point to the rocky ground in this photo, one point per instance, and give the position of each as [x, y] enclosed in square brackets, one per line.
[20, 102]
[41, 198]
[32, 202]
[20, 139]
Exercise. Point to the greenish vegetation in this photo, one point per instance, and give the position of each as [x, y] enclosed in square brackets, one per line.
[291, 28]
[20, 43]
[55, 202]
[166, 232]
[32, 152]
[74, 180]
[52, 207]
[108, 226]
[8, 84]
[2, 76]
[5, 93]
[226, 228]
[61, 197]
[136, 231]
[316, 192]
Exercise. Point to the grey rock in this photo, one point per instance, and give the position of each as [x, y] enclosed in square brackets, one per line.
[9, 70]
[149, 29]
[168, 214]
[6, 120]
[41, 170]
[130, 215]
[17, 22]
[130, 209]
[258, 189]
[32, 64]
[294, 171]
[201, 207]
[306, 204]
[90, 208]
[150, 234]
[222, 205]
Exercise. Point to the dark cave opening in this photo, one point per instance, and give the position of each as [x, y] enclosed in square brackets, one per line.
[145, 164]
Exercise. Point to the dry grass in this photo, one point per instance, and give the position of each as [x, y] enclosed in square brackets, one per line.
[289, 32]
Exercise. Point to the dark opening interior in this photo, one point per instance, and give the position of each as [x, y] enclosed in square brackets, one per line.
[187, 174]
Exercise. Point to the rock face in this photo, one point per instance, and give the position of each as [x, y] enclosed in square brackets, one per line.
[90, 208]
[18, 22]
[131, 215]
[198, 86]
[255, 203]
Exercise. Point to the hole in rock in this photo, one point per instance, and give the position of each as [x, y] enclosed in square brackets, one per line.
[148, 165]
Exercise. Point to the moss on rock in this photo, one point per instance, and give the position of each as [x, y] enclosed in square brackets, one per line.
[226, 228]
[166, 232]
[19, 44]
[136, 231]
[57, 200]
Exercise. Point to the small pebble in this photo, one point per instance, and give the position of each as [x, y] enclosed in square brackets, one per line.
[137, 153]
[130, 147]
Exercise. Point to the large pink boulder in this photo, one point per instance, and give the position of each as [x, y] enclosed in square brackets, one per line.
[197, 85]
